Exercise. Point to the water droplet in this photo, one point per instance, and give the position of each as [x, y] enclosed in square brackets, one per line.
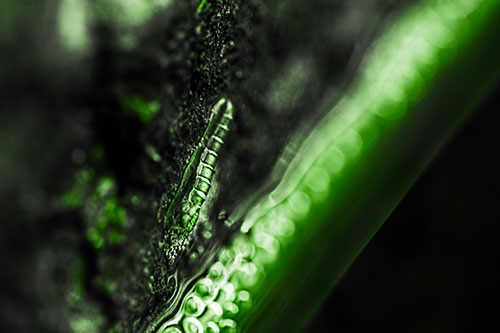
[192, 325]
[243, 246]
[317, 179]
[216, 271]
[267, 243]
[422, 55]
[194, 306]
[435, 31]
[227, 293]
[214, 311]
[212, 327]
[285, 227]
[226, 256]
[228, 325]
[246, 274]
[205, 288]
[332, 160]
[230, 309]
[243, 296]
[350, 143]
[389, 102]
[299, 203]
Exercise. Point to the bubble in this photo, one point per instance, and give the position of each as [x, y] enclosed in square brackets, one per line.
[389, 100]
[332, 160]
[455, 10]
[422, 55]
[350, 143]
[265, 224]
[299, 203]
[285, 227]
[409, 79]
[212, 327]
[216, 271]
[277, 226]
[437, 33]
[192, 325]
[268, 247]
[194, 305]
[243, 246]
[243, 296]
[205, 288]
[226, 256]
[317, 179]
[214, 311]
[227, 292]
[246, 274]
[243, 299]
[228, 325]
[230, 309]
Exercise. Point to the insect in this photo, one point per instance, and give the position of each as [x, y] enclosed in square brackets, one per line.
[184, 209]
[206, 167]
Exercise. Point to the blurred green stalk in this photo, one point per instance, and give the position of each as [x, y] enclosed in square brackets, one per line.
[423, 78]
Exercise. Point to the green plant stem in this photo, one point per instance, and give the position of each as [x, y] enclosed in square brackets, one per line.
[387, 136]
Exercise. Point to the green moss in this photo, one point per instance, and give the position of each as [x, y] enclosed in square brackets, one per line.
[107, 218]
[104, 187]
[111, 217]
[71, 199]
[140, 107]
[75, 196]
[94, 237]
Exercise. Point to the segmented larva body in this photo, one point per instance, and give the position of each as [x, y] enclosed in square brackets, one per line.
[206, 167]
[184, 210]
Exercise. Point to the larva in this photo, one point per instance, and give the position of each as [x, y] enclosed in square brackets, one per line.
[184, 209]
[206, 167]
